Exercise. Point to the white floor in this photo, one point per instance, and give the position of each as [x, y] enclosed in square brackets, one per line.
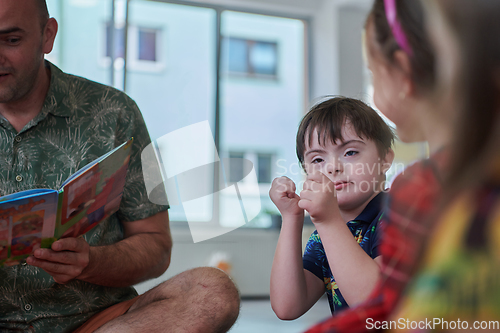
[256, 316]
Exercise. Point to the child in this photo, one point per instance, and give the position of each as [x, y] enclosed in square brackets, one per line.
[401, 59]
[463, 248]
[345, 148]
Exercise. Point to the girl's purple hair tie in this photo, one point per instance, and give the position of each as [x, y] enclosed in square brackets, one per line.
[397, 30]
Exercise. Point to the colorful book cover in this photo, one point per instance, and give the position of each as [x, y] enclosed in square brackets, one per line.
[36, 218]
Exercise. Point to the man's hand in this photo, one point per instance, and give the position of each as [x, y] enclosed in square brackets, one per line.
[319, 198]
[146, 247]
[283, 195]
[65, 261]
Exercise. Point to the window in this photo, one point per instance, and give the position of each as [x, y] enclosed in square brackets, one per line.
[236, 172]
[263, 164]
[143, 51]
[176, 78]
[251, 57]
[264, 168]
[260, 116]
[147, 44]
[118, 40]
[144, 48]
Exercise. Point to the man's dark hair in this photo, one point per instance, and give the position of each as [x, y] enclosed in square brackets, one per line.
[329, 117]
[43, 12]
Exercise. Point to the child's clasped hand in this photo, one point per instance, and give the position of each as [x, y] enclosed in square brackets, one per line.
[283, 195]
[319, 198]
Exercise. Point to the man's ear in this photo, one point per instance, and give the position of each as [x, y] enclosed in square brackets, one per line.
[403, 63]
[387, 160]
[49, 35]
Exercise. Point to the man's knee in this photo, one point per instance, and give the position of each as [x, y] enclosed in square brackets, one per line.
[205, 284]
[215, 284]
[220, 293]
[208, 292]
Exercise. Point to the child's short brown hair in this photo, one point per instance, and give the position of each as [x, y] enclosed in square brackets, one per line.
[329, 116]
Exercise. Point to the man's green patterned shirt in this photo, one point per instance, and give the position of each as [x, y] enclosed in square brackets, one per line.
[79, 121]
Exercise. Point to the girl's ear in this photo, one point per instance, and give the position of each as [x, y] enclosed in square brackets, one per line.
[403, 64]
[387, 160]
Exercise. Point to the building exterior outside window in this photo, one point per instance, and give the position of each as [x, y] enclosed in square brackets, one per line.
[258, 95]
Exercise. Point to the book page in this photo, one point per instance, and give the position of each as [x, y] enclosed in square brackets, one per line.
[26, 223]
[93, 195]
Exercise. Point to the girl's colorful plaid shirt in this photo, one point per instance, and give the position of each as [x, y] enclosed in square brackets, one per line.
[405, 226]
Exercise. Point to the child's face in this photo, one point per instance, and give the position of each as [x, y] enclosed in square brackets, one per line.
[354, 166]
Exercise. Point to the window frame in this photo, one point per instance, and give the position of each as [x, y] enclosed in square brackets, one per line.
[133, 62]
[307, 20]
[251, 73]
[253, 156]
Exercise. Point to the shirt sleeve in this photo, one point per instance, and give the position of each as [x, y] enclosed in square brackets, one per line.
[376, 239]
[405, 226]
[379, 225]
[314, 256]
[135, 204]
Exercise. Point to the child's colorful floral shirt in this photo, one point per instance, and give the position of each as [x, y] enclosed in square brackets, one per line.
[364, 230]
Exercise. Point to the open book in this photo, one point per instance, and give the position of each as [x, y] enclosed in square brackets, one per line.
[36, 218]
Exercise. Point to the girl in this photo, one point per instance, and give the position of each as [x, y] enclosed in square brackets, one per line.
[401, 59]
[459, 277]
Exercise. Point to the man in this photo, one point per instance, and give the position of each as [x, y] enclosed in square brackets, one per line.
[51, 124]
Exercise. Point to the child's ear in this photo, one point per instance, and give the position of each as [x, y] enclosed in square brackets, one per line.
[387, 160]
[404, 65]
